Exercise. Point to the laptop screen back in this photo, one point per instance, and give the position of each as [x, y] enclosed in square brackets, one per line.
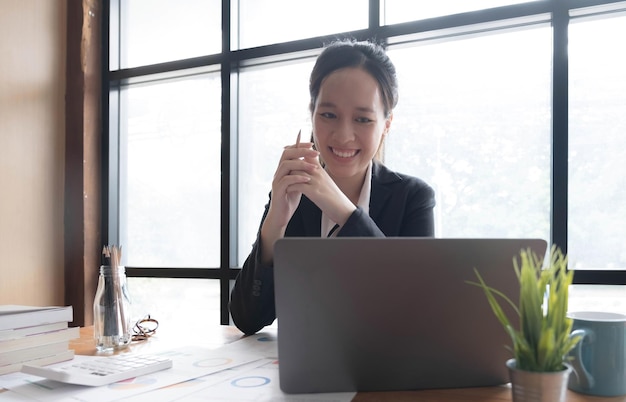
[380, 314]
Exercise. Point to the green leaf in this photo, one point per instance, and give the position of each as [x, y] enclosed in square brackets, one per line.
[544, 337]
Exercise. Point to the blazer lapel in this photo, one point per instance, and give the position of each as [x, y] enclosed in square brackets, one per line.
[382, 178]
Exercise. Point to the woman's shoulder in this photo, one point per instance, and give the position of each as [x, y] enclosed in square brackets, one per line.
[402, 187]
[384, 175]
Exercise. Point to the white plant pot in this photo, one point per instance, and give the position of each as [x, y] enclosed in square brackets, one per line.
[529, 386]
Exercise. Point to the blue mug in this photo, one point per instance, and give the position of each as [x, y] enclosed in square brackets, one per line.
[599, 358]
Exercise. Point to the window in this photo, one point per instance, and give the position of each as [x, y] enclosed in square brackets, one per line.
[396, 11]
[170, 188]
[202, 96]
[473, 119]
[266, 123]
[157, 31]
[597, 146]
[266, 22]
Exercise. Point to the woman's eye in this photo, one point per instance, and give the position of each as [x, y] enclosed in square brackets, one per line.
[328, 115]
[363, 120]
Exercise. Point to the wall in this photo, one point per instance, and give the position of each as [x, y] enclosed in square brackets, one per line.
[32, 141]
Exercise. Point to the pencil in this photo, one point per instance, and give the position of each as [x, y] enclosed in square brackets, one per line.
[298, 138]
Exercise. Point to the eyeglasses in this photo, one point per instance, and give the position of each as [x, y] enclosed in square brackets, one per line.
[144, 329]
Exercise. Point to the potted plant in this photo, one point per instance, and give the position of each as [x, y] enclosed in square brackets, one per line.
[539, 371]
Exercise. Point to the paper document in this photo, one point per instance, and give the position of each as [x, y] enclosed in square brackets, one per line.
[188, 363]
[245, 370]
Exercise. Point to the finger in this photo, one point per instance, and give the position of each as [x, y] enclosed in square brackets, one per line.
[299, 153]
[288, 168]
[299, 187]
[286, 184]
[302, 145]
[288, 165]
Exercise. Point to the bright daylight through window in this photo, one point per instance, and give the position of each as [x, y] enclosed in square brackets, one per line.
[199, 113]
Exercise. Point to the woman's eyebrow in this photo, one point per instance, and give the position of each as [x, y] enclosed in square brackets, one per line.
[364, 109]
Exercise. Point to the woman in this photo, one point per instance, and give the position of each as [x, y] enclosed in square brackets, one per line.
[336, 184]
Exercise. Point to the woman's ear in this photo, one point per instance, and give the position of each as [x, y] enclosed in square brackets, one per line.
[381, 147]
[388, 124]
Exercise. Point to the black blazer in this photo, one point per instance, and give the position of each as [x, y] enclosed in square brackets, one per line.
[400, 205]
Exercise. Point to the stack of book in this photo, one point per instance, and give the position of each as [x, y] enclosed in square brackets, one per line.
[35, 335]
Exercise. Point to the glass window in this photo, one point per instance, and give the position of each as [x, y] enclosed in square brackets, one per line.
[193, 301]
[397, 11]
[157, 31]
[263, 22]
[273, 107]
[170, 169]
[597, 144]
[474, 120]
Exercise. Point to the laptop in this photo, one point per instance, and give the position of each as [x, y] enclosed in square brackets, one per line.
[384, 314]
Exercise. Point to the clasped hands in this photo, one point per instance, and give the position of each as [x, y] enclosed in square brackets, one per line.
[300, 172]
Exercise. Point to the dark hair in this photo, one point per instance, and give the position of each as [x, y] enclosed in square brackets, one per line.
[367, 55]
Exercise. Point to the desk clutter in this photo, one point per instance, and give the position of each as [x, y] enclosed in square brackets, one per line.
[244, 370]
[35, 336]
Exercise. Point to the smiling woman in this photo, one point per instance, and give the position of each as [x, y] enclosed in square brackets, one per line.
[353, 91]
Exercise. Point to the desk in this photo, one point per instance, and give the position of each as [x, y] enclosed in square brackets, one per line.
[216, 336]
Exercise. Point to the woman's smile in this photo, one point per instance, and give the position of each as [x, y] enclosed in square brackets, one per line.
[344, 153]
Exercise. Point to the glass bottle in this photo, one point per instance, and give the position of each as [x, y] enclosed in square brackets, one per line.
[111, 310]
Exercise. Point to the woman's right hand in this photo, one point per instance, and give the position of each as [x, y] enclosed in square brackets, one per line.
[294, 167]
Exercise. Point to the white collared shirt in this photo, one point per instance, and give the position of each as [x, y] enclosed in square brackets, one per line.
[364, 203]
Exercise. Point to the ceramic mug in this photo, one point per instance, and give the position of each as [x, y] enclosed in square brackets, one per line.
[599, 358]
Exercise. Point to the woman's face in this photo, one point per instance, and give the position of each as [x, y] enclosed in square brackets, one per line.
[349, 122]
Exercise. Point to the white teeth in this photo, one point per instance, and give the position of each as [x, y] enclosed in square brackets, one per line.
[347, 154]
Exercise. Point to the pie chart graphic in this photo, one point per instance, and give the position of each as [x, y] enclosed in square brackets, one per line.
[250, 381]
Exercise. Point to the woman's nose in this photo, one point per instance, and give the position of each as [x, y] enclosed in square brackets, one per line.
[344, 131]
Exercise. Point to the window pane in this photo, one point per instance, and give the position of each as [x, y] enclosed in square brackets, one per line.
[262, 22]
[474, 121]
[396, 11]
[273, 106]
[597, 145]
[170, 173]
[156, 31]
[162, 299]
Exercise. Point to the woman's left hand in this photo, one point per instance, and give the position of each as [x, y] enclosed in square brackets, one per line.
[322, 190]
